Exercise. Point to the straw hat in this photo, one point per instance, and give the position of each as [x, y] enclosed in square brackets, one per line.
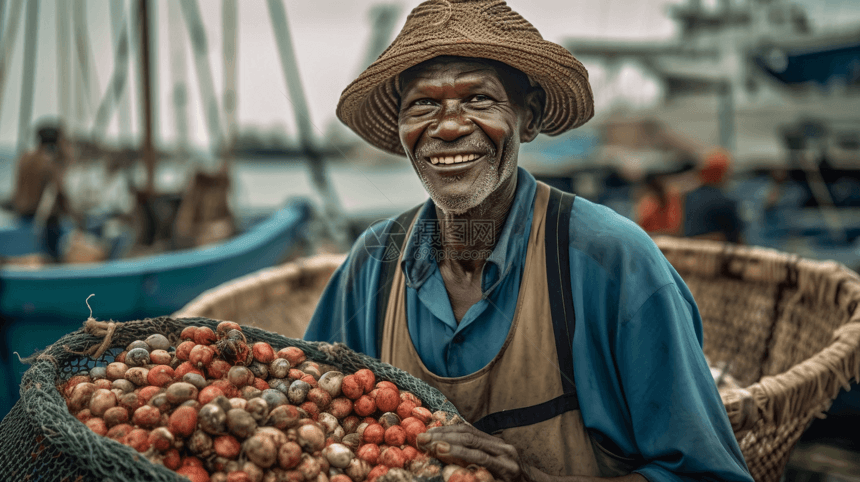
[467, 28]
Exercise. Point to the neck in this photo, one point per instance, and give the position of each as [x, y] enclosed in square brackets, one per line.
[468, 238]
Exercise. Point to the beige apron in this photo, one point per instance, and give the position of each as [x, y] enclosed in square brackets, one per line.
[524, 373]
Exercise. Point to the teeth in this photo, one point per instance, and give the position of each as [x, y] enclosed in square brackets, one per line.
[454, 159]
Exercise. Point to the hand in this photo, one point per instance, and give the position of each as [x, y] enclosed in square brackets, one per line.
[463, 444]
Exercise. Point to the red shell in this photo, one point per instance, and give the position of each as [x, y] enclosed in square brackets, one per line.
[160, 376]
[209, 393]
[188, 333]
[118, 432]
[293, 355]
[340, 407]
[217, 369]
[392, 457]
[422, 414]
[387, 400]
[312, 409]
[374, 434]
[364, 406]
[195, 474]
[182, 422]
[171, 459]
[377, 472]
[205, 336]
[183, 351]
[404, 410]
[227, 446]
[395, 436]
[137, 439]
[146, 416]
[263, 352]
[97, 425]
[352, 387]
[368, 452]
[368, 379]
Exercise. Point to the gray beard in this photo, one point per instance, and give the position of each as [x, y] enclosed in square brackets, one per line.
[489, 181]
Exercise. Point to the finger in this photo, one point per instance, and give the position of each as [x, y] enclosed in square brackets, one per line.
[501, 467]
[474, 439]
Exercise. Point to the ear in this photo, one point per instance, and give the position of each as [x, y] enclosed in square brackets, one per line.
[532, 115]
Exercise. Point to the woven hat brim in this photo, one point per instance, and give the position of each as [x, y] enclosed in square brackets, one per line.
[370, 104]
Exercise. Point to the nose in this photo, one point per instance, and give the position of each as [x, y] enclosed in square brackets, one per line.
[451, 123]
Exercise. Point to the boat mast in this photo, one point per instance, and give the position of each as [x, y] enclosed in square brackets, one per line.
[121, 23]
[316, 163]
[229, 18]
[178, 71]
[148, 152]
[31, 33]
[7, 43]
[89, 87]
[191, 12]
[63, 61]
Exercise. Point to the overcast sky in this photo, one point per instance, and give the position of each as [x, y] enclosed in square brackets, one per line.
[330, 38]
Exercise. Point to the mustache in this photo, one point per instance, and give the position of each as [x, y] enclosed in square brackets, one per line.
[434, 146]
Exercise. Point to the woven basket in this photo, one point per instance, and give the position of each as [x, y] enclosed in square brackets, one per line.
[281, 299]
[787, 328]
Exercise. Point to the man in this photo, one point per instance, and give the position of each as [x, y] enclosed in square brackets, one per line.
[708, 212]
[41, 171]
[551, 323]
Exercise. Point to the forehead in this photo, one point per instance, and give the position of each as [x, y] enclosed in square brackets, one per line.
[444, 69]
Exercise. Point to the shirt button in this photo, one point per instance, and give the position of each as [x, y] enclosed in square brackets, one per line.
[458, 339]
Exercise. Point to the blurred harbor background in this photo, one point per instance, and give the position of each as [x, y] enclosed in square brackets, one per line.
[200, 134]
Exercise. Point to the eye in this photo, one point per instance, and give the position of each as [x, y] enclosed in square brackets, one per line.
[423, 102]
[481, 98]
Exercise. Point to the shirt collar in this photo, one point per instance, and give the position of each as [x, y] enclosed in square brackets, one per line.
[419, 264]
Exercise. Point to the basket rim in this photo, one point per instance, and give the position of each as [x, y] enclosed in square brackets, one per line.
[200, 305]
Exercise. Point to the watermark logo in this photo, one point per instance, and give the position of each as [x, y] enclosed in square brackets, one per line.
[464, 239]
[382, 241]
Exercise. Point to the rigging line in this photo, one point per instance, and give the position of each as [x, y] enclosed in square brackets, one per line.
[116, 85]
[334, 221]
[211, 110]
[178, 73]
[342, 154]
[85, 54]
[62, 60]
[118, 16]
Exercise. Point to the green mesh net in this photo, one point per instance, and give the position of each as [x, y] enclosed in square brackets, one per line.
[41, 441]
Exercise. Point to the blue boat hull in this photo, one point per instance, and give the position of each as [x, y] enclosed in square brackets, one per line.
[37, 307]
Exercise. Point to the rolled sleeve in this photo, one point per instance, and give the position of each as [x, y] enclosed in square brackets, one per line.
[679, 423]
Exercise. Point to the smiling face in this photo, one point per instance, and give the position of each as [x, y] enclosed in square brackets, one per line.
[461, 124]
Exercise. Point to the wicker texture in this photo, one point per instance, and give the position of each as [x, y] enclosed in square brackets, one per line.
[486, 29]
[280, 299]
[789, 328]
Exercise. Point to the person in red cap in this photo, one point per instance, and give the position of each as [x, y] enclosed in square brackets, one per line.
[708, 212]
[554, 325]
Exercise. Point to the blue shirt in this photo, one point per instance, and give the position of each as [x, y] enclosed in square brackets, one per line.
[641, 376]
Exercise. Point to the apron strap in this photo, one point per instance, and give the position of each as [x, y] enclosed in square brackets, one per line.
[394, 240]
[557, 246]
[557, 243]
